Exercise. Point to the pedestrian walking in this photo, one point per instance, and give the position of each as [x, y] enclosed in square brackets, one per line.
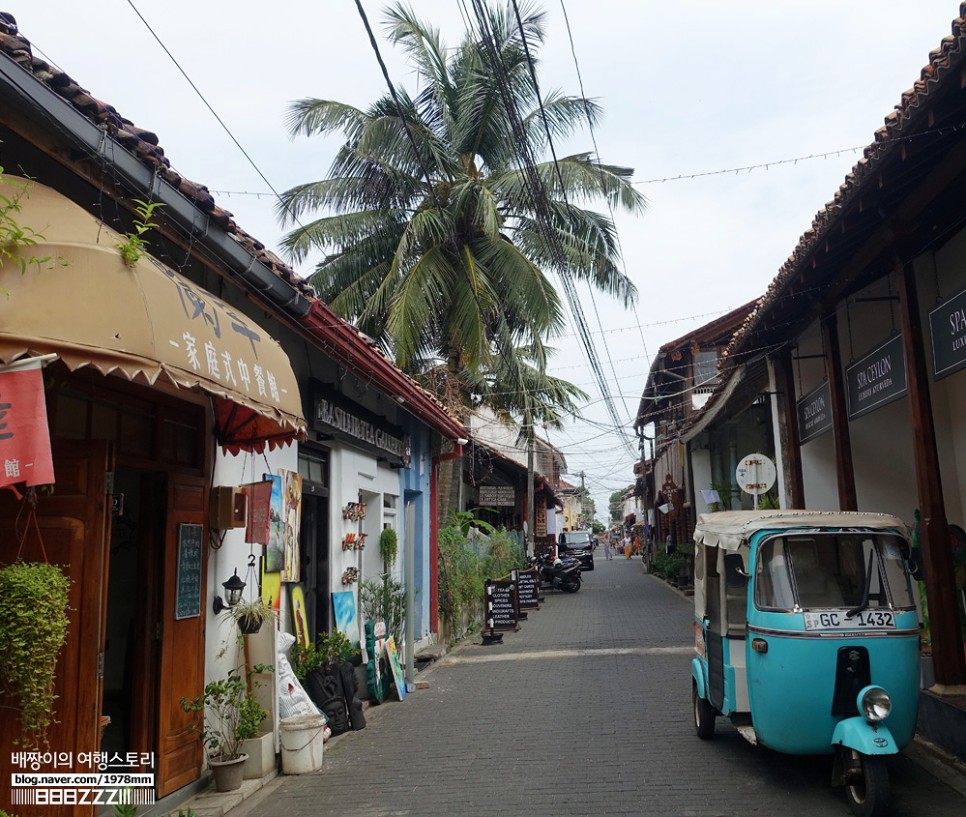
[608, 551]
[627, 546]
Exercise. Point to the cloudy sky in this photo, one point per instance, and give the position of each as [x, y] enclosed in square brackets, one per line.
[695, 91]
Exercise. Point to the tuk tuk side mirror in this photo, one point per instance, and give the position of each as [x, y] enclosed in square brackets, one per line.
[735, 575]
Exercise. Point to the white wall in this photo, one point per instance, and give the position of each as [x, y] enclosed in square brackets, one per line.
[223, 651]
[701, 477]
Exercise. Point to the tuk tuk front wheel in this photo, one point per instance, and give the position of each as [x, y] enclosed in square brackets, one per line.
[868, 790]
[704, 715]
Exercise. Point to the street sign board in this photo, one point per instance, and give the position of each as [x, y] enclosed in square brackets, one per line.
[755, 474]
[814, 413]
[876, 379]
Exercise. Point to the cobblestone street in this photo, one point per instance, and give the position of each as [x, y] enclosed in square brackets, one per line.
[585, 711]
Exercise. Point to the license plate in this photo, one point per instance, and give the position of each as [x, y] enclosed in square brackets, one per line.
[838, 620]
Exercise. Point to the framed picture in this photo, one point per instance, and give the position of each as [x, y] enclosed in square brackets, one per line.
[344, 607]
[275, 549]
[300, 618]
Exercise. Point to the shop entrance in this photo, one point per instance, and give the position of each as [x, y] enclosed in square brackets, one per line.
[132, 637]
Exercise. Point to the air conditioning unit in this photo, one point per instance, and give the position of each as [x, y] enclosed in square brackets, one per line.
[229, 507]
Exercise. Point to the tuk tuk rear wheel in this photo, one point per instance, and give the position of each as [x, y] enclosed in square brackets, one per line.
[704, 715]
[868, 792]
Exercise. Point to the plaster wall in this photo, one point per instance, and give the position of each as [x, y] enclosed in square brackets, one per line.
[223, 648]
[940, 277]
[701, 475]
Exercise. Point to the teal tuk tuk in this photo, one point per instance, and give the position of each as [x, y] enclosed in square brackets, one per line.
[807, 638]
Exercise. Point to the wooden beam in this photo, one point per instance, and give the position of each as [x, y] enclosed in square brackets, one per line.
[793, 448]
[844, 468]
[949, 663]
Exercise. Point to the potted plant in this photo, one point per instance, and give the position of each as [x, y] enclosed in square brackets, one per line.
[254, 742]
[249, 615]
[228, 713]
[33, 629]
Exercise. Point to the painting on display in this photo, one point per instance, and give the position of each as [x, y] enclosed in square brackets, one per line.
[258, 510]
[291, 514]
[271, 586]
[300, 618]
[344, 607]
[275, 550]
[396, 667]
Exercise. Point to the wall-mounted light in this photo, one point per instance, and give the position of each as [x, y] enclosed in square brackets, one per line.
[461, 441]
[233, 593]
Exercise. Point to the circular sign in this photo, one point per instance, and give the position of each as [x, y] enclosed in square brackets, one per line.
[755, 474]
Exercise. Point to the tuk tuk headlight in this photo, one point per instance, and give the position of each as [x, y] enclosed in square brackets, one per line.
[874, 703]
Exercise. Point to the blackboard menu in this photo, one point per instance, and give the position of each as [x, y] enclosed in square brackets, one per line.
[188, 590]
[528, 589]
[500, 602]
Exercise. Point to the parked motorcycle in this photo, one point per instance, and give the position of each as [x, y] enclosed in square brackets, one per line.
[558, 574]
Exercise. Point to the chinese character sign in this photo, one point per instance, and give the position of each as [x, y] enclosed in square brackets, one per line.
[24, 435]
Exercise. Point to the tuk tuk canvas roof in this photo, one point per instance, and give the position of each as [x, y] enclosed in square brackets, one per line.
[730, 529]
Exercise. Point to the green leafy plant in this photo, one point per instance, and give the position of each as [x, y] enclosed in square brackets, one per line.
[306, 659]
[134, 246]
[768, 502]
[228, 714]
[16, 240]
[384, 599]
[461, 578]
[125, 808]
[328, 649]
[250, 614]
[464, 520]
[388, 548]
[33, 629]
[506, 554]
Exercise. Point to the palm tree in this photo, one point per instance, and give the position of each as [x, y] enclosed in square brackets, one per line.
[434, 239]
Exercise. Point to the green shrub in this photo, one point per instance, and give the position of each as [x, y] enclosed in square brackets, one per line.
[33, 628]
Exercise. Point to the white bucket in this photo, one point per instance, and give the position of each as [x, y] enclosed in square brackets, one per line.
[302, 743]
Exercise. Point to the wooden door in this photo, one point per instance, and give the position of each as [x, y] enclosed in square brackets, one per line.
[74, 524]
[182, 665]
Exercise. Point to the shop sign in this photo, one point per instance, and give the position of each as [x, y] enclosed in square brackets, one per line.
[497, 495]
[540, 519]
[947, 326]
[334, 416]
[500, 602]
[876, 379]
[24, 435]
[814, 413]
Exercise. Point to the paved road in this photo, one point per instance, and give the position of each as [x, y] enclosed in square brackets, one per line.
[585, 711]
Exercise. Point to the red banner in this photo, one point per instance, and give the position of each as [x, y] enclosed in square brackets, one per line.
[24, 434]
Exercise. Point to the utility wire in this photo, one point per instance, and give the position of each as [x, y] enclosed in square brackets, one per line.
[201, 96]
[569, 288]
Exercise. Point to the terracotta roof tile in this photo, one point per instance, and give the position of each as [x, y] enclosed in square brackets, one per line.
[142, 143]
[145, 145]
[952, 47]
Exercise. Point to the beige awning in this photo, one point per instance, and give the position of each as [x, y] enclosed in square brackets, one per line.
[145, 323]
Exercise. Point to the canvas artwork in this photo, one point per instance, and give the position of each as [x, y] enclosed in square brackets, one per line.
[300, 619]
[275, 550]
[271, 586]
[291, 515]
[344, 607]
[396, 667]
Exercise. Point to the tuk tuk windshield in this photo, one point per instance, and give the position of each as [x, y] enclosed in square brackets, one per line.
[853, 570]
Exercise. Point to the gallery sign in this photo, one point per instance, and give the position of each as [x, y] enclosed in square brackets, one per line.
[336, 417]
[498, 496]
[947, 326]
[814, 413]
[876, 379]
